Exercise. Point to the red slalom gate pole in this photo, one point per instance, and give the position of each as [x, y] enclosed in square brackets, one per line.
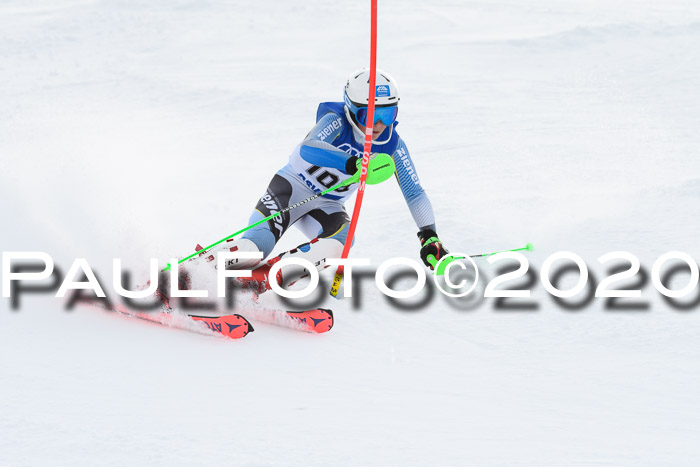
[367, 150]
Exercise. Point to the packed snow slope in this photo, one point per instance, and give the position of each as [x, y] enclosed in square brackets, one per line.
[138, 129]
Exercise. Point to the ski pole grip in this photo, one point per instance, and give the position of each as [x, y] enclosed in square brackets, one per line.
[431, 259]
[445, 262]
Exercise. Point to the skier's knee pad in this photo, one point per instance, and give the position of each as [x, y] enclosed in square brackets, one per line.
[274, 201]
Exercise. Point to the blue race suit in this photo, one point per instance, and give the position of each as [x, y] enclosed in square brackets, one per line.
[318, 163]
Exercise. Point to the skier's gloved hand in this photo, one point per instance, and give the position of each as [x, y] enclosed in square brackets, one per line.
[352, 165]
[430, 245]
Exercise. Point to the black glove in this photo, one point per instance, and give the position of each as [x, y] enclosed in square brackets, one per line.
[430, 245]
[351, 165]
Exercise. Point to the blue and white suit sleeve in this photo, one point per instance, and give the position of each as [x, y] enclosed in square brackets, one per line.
[316, 148]
[416, 198]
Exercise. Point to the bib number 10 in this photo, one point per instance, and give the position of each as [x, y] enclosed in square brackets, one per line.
[326, 178]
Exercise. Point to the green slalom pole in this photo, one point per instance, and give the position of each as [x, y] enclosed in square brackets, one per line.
[433, 261]
[383, 168]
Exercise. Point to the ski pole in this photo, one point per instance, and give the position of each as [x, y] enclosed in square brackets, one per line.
[527, 247]
[288, 208]
[433, 261]
[383, 169]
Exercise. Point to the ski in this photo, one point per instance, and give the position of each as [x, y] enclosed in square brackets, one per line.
[233, 326]
[236, 326]
[318, 320]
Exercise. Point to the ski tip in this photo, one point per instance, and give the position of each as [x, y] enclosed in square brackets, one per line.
[529, 247]
[330, 313]
[318, 321]
[233, 326]
[246, 327]
[330, 320]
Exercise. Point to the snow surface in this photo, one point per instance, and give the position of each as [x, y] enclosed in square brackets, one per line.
[138, 129]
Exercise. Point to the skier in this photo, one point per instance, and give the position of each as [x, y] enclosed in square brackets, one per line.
[330, 153]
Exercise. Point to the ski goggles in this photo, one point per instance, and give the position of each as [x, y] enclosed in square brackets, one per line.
[387, 115]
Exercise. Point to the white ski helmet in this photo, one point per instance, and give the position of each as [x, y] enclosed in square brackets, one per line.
[386, 98]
